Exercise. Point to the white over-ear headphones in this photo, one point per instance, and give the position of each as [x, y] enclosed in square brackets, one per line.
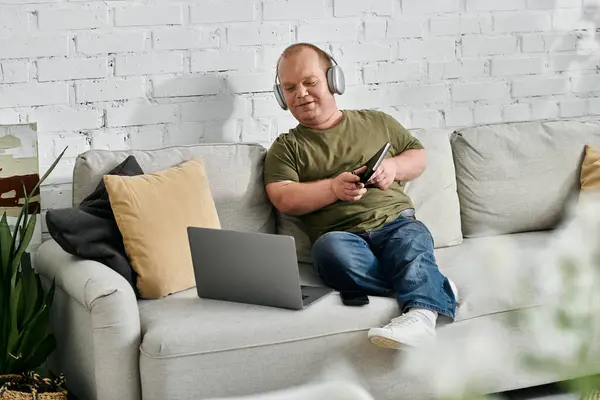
[335, 77]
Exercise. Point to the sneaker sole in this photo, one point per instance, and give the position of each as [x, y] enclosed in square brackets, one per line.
[386, 343]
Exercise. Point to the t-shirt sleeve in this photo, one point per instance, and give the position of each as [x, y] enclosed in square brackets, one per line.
[400, 138]
[280, 163]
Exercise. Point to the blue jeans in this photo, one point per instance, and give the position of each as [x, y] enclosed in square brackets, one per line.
[396, 258]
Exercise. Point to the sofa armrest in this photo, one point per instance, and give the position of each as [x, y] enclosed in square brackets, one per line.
[96, 322]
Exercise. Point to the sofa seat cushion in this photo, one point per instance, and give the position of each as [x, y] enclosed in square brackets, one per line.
[184, 325]
[493, 273]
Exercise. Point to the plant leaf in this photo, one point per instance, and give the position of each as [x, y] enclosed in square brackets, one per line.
[13, 328]
[35, 342]
[49, 171]
[50, 295]
[6, 292]
[22, 213]
[29, 292]
[34, 332]
[5, 244]
[23, 244]
[40, 293]
[15, 259]
[40, 354]
[25, 210]
[43, 301]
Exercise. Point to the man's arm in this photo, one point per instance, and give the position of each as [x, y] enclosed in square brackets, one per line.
[404, 167]
[410, 164]
[295, 198]
[410, 161]
[298, 198]
[283, 186]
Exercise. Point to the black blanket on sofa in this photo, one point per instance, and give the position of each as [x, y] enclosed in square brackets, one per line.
[90, 231]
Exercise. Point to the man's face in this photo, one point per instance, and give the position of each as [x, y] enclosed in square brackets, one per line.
[304, 85]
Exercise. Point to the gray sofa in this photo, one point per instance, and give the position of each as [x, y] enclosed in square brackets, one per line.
[483, 184]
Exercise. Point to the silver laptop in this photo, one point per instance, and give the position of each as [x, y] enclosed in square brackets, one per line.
[248, 267]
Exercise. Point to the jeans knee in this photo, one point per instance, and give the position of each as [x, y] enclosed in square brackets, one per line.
[423, 237]
[416, 235]
[327, 245]
[330, 253]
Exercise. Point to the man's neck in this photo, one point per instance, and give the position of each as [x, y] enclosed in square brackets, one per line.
[329, 123]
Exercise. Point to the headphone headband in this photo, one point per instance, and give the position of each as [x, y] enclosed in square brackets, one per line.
[310, 45]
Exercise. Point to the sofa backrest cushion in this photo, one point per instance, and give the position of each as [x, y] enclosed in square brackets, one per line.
[519, 177]
[234, 172]
[433, 194]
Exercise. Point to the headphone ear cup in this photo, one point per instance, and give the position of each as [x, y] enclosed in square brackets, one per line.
[336, 80]
[279, 96]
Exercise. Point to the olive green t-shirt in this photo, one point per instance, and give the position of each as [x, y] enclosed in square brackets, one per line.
[305, 155]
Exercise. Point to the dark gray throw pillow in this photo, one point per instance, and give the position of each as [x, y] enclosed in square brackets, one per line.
[90, 231]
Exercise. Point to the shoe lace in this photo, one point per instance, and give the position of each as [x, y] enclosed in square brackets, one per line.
[401, 321]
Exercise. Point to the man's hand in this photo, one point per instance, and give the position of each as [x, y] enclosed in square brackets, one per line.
[347, 186]
[385, 175]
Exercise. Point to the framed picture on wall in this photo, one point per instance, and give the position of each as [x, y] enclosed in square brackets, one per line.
[19, 172]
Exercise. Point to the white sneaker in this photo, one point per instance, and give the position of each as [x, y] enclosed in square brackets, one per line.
[404, 331]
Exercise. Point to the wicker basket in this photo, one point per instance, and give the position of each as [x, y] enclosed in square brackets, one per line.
[31, 386]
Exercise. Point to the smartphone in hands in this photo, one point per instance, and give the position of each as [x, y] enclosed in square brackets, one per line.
[374, 163]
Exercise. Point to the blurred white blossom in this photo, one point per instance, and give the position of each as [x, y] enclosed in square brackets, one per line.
[560, 299]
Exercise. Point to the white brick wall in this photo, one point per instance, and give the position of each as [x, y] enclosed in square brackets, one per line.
[346, 8]
[148, 15]
[64, 69]
[218, 11]
[145, 74]
[13, 21]
[60, 19]
[336, 31]
[34, 46]
[430, 6]
[480, 91]
[388, 72]
[14, 71]
[256, 34]
[223, 60]
[152, 63]
[108, 90]
[117, 41]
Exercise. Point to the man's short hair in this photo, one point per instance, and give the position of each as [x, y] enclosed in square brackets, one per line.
[295, 48]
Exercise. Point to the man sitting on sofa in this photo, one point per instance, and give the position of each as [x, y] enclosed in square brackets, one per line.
[364, 237]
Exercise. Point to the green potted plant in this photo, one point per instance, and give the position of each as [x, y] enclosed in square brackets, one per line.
[25, 337]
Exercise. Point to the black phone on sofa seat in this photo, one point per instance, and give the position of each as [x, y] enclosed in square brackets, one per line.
[354, 298]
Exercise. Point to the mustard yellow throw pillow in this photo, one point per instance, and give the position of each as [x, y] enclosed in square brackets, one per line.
[153, 212]
[590, 169]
